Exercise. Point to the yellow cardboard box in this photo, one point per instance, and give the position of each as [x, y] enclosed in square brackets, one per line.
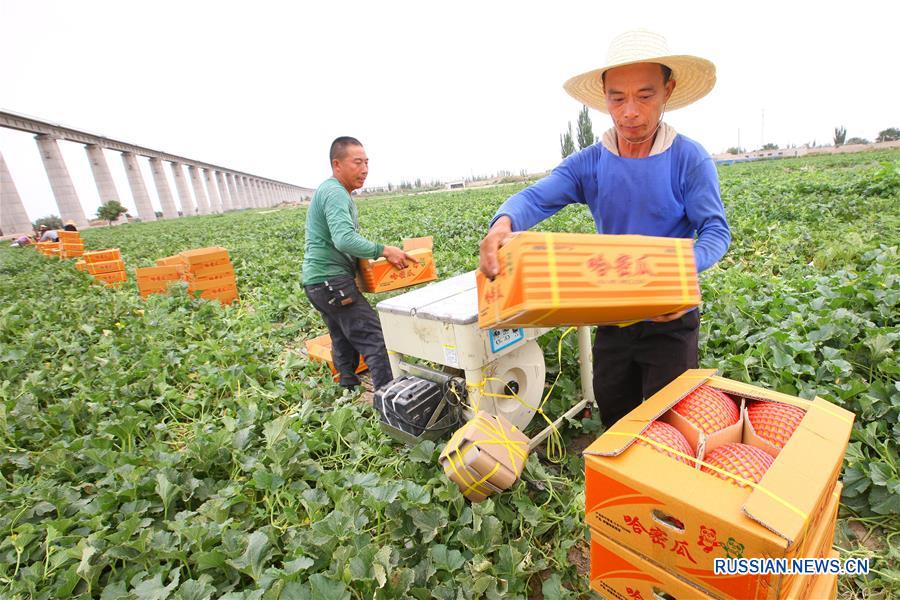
[550, 279]
[619, 572]
[113, 277]
[381, 276]
[485, 456]
[102, 255]
[109, 266]
[320, 349]
[683, 518]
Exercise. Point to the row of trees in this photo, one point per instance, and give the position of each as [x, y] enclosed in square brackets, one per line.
[585, 134]
[890, 134]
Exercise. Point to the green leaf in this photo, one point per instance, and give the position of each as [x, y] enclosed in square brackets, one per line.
[253, 560]
[327, 589]
[445, 559]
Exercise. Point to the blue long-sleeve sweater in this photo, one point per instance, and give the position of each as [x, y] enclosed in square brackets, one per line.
[671, 194]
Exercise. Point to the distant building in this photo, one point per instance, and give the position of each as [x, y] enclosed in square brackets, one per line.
[455, 185]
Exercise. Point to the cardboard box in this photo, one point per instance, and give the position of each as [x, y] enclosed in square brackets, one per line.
[226, 293]
[484, 456]
[199, 256]
[551, 279]
[210, 272]
[819, 546]
[381, 276]
[824, 587]
[69, 237]
[80, 265]
[617, 572]
[171, 261]
[112, 277]
[102, 255]
[110, 266]
[150, 276]
[634, 492]
[209, 284]
[320, 349]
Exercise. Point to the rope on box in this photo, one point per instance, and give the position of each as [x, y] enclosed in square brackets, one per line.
[694, 460]
[556, 451]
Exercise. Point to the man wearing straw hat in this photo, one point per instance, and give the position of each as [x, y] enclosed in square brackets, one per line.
[642, 178]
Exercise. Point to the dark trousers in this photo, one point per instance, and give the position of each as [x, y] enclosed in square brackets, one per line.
[355, 329]
[633, 363]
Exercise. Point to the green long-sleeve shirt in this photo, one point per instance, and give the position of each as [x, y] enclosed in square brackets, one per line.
[333, 242]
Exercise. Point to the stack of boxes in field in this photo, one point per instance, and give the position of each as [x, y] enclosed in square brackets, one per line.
[485, 456]
[319, 349]
[551, 279]
[70, 244]
[208, 272]
[706, 469]
[104, 265]
[381, 276]
[48, 248]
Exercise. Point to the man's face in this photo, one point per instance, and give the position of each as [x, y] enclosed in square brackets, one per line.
[636, 97]
[352, 170]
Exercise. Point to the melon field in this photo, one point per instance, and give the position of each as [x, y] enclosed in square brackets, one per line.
[175, 448]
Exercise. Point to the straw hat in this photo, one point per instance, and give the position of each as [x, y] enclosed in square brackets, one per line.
[694, 76]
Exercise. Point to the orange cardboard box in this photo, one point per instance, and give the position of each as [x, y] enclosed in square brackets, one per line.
[80, 265]
[320, 349]
[485, 456]
[110, 277]
[210, 272]
[205, 258]
[170, 261]
[102, 255]
[634, 494]
[381, 276]
[149, 276]
[824, 587]
[616, 569]
[96, 268]
[819, 546]
[69, 237]
[617, 572]
[210, 284]
[426, 242]
[550, 279]
[226, 294]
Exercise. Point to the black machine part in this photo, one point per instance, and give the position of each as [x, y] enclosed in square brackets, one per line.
[418, 406]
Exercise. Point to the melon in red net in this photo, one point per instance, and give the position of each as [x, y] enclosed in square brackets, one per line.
[743, 460]
[671, 438]
[774, 422]
[708, 409]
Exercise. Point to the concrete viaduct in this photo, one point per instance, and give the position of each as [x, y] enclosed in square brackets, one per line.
[215, 189]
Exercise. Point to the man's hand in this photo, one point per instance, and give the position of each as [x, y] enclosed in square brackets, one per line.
[397, 257]
[500, 234]
[670, 317]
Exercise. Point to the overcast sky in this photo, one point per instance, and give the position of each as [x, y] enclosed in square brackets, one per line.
[433, 90]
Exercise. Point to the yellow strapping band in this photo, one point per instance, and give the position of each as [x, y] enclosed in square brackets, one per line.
[472, 484]
[551, 265]
[737, 478]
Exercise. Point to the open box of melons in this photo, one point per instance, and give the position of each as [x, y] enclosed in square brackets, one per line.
[713, 468]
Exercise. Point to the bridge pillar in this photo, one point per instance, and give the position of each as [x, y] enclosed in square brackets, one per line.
[60, 182]
[169, 210]
[184, 194]
[13, 218]
[138, 189]
[232, 192]
[222, 184]
[106, 187]
[199, 193]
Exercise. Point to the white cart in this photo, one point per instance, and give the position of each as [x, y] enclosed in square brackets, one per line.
[439, 323]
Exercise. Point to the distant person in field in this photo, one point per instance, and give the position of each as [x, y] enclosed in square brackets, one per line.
[70, 226]
[48, 235]
[641, 178]
[333, 245]
[21, 241]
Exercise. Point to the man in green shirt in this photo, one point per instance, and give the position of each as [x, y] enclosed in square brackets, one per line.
[333, 245]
